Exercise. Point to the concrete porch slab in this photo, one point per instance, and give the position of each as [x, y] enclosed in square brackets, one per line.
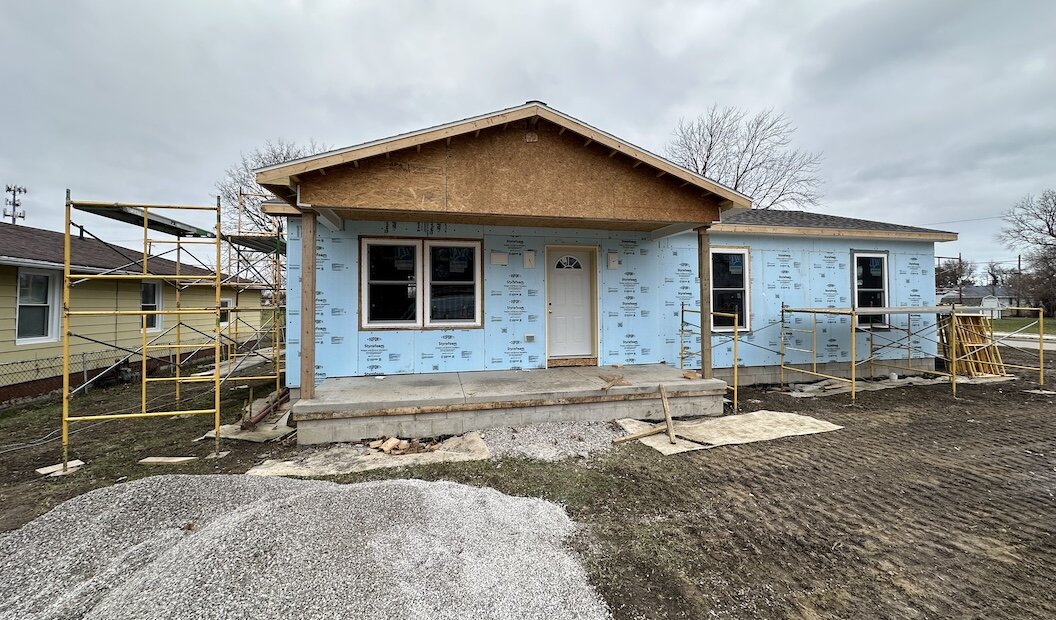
[443, 404]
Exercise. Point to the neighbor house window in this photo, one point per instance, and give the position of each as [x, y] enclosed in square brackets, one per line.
[417, 283]
[729, 288]
[870, 287]
[150, 301]
[225, 315]
[37, 316]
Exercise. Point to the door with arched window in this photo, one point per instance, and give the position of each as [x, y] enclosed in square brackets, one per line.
[570, 300]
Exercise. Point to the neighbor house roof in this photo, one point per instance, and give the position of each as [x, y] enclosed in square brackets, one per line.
[780, 222]
[35, 247]
[975, 291]
[281, 178]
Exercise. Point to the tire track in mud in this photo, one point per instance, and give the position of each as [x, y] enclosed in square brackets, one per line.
[944, 510]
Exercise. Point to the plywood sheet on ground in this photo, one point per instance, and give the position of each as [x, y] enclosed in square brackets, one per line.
[729, 430]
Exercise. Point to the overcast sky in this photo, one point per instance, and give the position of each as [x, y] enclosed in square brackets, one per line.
[928, 113]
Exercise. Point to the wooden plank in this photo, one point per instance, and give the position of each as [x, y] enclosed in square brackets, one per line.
[307, 349]
[843, 233]
[667, 414]
[704, 270]
[656, 430]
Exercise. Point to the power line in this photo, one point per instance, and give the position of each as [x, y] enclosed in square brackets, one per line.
[974, 219]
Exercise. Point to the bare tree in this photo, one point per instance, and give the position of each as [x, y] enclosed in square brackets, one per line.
[954, 273]
[996, 275]
[239, 180]
[1031, 225]
[751, 154]
[1031, 222]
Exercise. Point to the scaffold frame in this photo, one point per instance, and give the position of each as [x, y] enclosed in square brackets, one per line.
[229, 344]
[953, 314]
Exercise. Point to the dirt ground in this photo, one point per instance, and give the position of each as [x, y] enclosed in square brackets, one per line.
[923, 506]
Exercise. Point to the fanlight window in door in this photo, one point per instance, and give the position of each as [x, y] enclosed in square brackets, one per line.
[568, 262]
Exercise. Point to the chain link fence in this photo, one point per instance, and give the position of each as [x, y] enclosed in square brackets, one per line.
[33, 378]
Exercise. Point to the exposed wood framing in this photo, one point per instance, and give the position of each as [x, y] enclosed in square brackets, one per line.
[845, 233]
[307, 348]
[280, 209]
[331, 220]
[704, 270]
[506, 404]
[673, 229]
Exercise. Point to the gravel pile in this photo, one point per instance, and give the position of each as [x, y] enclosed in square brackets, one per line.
[262, 548]
[552, 441]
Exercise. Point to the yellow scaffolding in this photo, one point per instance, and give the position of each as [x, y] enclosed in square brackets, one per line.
[227, 360]
[684, 352]
[954, 356]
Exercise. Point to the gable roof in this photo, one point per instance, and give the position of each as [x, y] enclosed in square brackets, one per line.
[280, 178]
[817, 224]
[25, 246]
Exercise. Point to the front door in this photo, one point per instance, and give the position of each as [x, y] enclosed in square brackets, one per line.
[570, 295]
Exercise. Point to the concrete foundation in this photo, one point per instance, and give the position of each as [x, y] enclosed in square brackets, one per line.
[771, 375]
[438, 404]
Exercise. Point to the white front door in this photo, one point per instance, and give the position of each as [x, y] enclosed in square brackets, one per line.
[570, 294]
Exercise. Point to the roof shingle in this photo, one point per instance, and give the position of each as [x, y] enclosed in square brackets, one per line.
[35, 244]
[805, 219]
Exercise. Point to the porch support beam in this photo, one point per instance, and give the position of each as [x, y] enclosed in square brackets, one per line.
[671, 230]
[331, 220]
[307, 350]
[704, 270]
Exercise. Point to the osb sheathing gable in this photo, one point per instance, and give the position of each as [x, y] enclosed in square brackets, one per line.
[509, 174]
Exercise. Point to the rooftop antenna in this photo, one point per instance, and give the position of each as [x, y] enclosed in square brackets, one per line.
[14, 202]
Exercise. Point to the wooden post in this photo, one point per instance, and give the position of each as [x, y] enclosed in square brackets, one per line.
[308, 225]
[704, 271]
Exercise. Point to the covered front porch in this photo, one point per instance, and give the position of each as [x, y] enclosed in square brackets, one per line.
[452, 403]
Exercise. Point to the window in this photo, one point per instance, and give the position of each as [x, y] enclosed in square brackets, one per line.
[150, 300]
[225, 315]
[729, 288]
[37, 317]
[416, 283]
[568, 262]
[870, 287]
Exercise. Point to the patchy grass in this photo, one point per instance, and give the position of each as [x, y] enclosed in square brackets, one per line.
[1015, 323]
[110, 448]
[923, 505]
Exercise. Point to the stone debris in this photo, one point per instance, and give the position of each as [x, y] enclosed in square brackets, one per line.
[341, 459]
[552, 441]
[212, 547]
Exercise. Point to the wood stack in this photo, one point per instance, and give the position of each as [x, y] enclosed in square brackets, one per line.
[977, 354]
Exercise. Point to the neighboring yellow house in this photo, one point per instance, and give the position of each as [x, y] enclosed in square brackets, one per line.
[31, 262]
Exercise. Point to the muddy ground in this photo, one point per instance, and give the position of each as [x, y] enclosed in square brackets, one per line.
[923, 506]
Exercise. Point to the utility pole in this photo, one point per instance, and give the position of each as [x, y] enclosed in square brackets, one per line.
[1019, 281]
[960, 279]
[14, 202]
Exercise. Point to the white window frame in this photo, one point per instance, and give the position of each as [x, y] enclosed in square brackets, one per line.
[158, 296]
[53, 305]
[230, 304]
[422, 270]
[478, 283]
[747, 261]
[887, 286]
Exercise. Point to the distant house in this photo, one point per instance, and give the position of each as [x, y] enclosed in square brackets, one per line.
[996, 299]
[31, 264]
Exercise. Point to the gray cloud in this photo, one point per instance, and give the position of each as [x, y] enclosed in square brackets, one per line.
[926, 112]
